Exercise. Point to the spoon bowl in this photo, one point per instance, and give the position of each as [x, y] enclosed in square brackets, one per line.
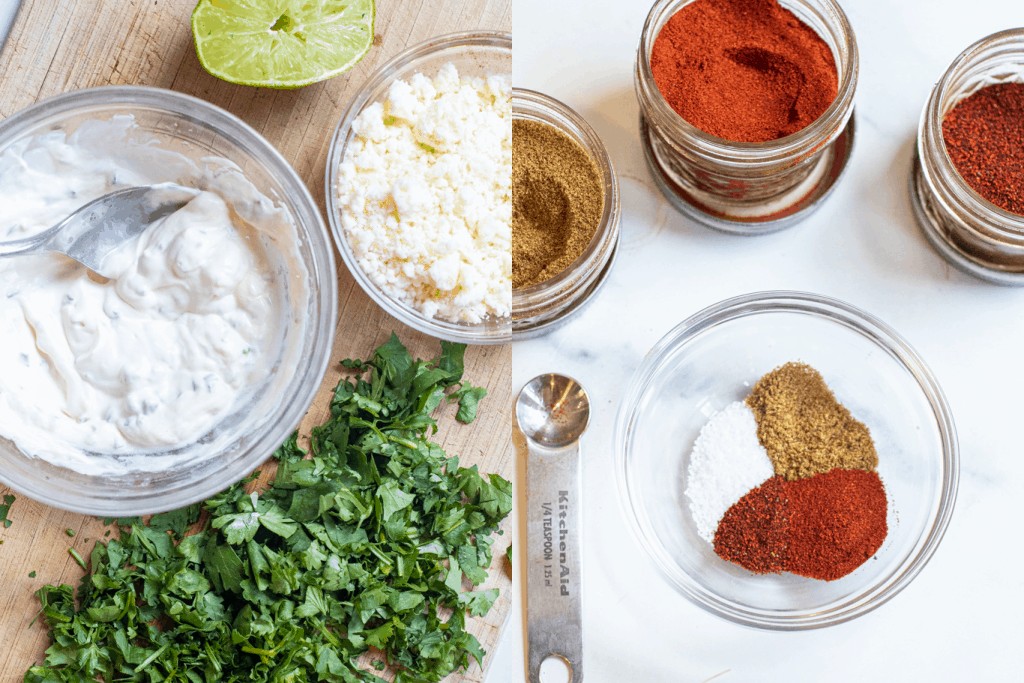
[553, 410]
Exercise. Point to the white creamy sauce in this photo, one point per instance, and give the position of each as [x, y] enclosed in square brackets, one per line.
[153, 358]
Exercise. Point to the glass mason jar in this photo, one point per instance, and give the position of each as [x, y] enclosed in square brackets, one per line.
[742, 187]
[971, 233]
[541, 307]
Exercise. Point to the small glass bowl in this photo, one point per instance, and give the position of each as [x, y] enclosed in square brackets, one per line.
[542, 307]
[741, 187]
[970, 232]
[713, 359]
[262, 422]
[479, 53]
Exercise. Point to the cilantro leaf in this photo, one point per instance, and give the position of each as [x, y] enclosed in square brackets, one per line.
[5, 509]
[469, 399]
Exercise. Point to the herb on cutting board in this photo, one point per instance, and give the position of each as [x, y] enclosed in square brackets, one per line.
[372, 543]
[5, 509]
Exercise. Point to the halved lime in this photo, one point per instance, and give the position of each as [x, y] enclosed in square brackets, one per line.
[281, 43]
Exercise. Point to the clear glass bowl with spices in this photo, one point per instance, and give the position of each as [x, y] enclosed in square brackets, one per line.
[982, 235]
[774, 158]
[565, 216]
[406, 282]
[711, 361]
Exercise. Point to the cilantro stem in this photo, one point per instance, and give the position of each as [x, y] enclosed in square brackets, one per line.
[331, 638]
[405, 442]
[77, 558]
[380, 556]
[150, 659]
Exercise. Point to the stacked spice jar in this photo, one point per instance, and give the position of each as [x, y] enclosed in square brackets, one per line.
[968, 181]
[565, 213]
[746, 107]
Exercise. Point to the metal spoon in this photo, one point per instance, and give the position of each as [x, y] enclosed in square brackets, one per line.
[92, 232]
[553, 412]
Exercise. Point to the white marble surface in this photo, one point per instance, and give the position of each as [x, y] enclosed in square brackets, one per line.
[960, 619]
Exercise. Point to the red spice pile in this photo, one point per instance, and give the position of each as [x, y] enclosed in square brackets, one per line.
[822, 527]
[743, 70]
[984, 136]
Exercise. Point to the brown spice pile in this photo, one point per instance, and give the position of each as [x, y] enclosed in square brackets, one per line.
[743, 70]
[557, 201]
[984, 136]
[805, 430]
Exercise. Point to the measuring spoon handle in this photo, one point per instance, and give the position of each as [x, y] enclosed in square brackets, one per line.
[554, 605]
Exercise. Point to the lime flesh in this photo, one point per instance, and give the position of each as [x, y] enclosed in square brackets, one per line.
[281, 43]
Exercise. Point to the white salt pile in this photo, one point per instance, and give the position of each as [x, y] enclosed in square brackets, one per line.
[727, 462]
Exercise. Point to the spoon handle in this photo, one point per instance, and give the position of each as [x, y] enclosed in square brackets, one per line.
[25, 244]
[554, 607]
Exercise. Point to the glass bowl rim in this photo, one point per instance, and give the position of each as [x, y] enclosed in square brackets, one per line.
[324, 292]
[886, 338]
[435, 327]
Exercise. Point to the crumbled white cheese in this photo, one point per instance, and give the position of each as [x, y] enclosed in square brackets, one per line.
[425, 191]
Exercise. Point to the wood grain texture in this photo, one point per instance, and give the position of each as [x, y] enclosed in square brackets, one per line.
[61, 45]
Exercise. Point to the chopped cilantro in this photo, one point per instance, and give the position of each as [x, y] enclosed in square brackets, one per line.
[468, 398]
[376, 540]
[5, 509]
[32, 574]
[70, 532]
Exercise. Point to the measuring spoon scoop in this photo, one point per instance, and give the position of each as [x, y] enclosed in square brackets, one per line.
[553, 412]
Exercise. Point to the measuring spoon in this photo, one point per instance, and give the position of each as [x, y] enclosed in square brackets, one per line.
[553, 412]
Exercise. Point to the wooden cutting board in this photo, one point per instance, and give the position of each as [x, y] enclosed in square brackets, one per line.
[56, 46]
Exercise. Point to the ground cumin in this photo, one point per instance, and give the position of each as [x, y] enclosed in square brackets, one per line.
[557, 201]
[805, 430]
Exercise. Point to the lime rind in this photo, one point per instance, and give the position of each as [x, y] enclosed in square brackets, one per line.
[281, 43]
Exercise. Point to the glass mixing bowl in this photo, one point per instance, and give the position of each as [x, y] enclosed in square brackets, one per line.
[266, 414]
[713, 359]
[474, 53]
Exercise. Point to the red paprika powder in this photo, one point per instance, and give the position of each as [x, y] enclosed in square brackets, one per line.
[743, 70]
[822, 527]
[984, 136]
[754, 532]
[837, 522]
